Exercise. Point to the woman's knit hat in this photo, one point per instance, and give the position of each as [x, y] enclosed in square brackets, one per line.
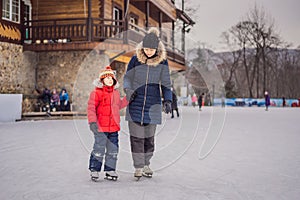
[151, 39]
[107, 72]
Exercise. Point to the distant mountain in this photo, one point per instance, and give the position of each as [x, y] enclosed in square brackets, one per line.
[204, 62]
[219, 57]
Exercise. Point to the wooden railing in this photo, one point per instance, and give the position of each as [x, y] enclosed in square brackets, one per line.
[90, 30]
[72, 29]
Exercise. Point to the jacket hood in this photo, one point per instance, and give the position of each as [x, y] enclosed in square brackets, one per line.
[98, 84]
[161, 54]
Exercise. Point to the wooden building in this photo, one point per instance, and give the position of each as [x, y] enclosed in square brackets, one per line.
[55, 38]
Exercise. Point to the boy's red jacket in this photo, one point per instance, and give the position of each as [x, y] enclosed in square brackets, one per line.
[104, 107]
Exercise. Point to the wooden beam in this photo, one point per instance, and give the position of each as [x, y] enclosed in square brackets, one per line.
[1, 11]
[174, 66]
[147, 11]
[78, 46]
[22, 16]
[160, 19]
[173, 36]
[89, 22]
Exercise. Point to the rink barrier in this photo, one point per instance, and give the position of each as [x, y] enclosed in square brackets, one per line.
[248, 102]
[10, 107]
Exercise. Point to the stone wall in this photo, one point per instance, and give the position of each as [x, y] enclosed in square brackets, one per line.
[73, 70]
[29, 72]
[17, 71]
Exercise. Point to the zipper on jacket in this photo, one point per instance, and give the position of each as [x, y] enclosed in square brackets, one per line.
[145, 95]
[111, 113]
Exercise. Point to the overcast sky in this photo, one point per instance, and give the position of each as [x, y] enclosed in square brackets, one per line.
[217, 16]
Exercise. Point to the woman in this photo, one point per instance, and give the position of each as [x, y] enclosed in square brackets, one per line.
[64, 100]
[147, 77]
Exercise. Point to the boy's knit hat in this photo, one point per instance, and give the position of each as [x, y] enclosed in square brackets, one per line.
[107, 72]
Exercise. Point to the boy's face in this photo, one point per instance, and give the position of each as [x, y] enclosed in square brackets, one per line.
[149, 52]
[108, 81]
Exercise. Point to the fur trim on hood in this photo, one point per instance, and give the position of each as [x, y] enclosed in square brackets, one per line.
[97, 83]
[161, 52]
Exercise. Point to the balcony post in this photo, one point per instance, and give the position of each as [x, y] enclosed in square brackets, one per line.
[160, 18]
[89, 22]
[183, 30]
[147, 11]
[22, 23]
[173, 37]
[125, 31]
[183, 37]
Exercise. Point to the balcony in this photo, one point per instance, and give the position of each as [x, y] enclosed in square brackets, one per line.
[88, 33]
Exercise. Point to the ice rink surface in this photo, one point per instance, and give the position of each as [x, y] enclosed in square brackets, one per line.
[256, 156]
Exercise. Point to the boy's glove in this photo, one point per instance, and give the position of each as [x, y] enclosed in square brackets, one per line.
[167, 107]
[130, 95]
[94, 127]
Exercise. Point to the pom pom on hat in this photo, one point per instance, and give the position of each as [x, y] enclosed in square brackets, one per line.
[107, 72]
[151, 39]
[154, 30]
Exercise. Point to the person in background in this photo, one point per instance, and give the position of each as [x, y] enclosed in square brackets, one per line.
[45, 100]
[283, 102]
[174, 103]
[194, 100]
[54, 101]
[200, 101]
[64, 100]
[223, 101]
[267, 100]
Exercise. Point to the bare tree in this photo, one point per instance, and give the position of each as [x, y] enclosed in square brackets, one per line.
[230, 64]
[256, 37]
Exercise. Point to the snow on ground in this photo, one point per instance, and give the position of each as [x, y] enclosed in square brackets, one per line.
[256, 157]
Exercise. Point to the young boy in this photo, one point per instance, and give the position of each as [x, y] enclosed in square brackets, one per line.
[103, 112]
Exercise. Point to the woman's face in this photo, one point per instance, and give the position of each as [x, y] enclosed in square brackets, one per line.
[108, 81]
[149, 52]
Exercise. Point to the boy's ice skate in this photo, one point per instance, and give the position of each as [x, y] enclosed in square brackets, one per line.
[94, 175]
[111, 175]
[138, 173]
[147, 172]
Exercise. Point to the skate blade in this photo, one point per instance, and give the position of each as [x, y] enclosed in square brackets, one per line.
[111, 178]
[147, 175]
[137, 178]
[95, 179]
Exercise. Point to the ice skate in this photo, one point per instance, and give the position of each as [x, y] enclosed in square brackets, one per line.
[94, 176]
[138, 173]
[147, 172]
[111, 175]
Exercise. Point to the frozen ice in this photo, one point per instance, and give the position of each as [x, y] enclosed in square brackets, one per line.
[255, 156]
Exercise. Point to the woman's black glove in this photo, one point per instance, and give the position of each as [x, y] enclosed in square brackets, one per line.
[167, 107]
[94, 127]
[130, 95]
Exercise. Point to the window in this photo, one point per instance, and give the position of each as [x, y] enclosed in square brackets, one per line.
[11, 10]
[133, 23]
[27, 13]
[27, 16]
[117, 15]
